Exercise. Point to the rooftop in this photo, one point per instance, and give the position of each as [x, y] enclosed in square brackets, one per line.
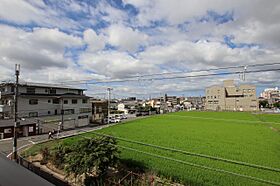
[47, 85]
[10, 122]
[13, 174]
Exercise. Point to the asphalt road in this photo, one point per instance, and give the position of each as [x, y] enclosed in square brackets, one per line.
[6, 145]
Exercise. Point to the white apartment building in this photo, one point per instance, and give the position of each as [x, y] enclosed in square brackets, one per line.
[51, 106]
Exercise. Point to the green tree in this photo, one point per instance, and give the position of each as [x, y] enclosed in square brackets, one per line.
[92, 157]
[277, 104]
[263, 104]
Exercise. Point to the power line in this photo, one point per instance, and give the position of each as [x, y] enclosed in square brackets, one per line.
[193, 154]
[180, 77]
[202, 166]
[193, 164]
[180, 72]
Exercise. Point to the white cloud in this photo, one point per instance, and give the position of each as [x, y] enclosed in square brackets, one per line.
[19, 11]
[95, 42]
[126, 38]
[36, 51]
[114, 64]
[166, 47]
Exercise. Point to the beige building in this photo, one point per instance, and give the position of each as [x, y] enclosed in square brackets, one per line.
[232, 98]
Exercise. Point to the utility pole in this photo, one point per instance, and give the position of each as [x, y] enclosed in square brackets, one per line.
[16, 124]
[62, 114]
[109, 97]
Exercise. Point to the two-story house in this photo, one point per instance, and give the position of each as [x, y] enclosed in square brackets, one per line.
[51, 106]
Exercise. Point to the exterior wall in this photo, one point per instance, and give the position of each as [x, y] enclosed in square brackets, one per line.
[231, 98]
[8, 89]
[215, 98]
[25, 130]
[45, 110]
[121, 107]
[99, 110]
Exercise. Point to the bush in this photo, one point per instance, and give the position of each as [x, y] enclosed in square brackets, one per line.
[58, 155]
[92, 157]
[45, 155]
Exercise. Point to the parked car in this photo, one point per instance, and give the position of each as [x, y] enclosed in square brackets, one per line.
[112, 119]
[123, 116]
[117, 120]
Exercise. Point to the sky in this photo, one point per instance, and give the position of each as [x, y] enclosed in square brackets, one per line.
[96, 40]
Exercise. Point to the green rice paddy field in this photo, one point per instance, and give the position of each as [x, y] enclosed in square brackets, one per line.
[239, 136]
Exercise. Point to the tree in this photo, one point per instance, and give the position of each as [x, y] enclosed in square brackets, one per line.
[263, 104]
[92, 157]
[276, 105]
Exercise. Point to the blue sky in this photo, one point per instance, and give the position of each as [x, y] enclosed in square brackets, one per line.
[68, 40]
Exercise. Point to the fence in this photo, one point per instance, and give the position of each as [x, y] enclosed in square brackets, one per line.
[37, 170]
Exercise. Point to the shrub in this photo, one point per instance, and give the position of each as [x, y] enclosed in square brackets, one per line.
[45, 155]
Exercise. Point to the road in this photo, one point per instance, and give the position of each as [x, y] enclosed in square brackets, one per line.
[6, 145]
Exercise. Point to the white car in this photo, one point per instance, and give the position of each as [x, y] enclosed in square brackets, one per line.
[123, 116]
[117, 119]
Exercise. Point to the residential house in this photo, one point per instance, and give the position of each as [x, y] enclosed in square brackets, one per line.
[53, 107]
[99, 110]
[272, 95]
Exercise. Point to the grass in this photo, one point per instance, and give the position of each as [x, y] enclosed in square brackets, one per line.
[238, 136]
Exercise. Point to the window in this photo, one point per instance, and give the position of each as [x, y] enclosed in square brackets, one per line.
[9, 130]
[56, 101]
[85, 110]
[30, 129]
[33, 114]
[12, 89]
[85, 100]
[52, 91]
[74, 101]
[33, 102]
[69, 111]
[82, 117]
[65, 101]
[30, 90]
[49, 101]
[100, 109]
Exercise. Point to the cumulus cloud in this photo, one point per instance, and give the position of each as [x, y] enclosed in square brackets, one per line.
[72, 40]
[40, 53]
[95, 42]
[36, 49]
[126, 38]
[114, 64]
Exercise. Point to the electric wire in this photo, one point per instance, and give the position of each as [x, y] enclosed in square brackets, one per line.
[194, 154]
[202, 166]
